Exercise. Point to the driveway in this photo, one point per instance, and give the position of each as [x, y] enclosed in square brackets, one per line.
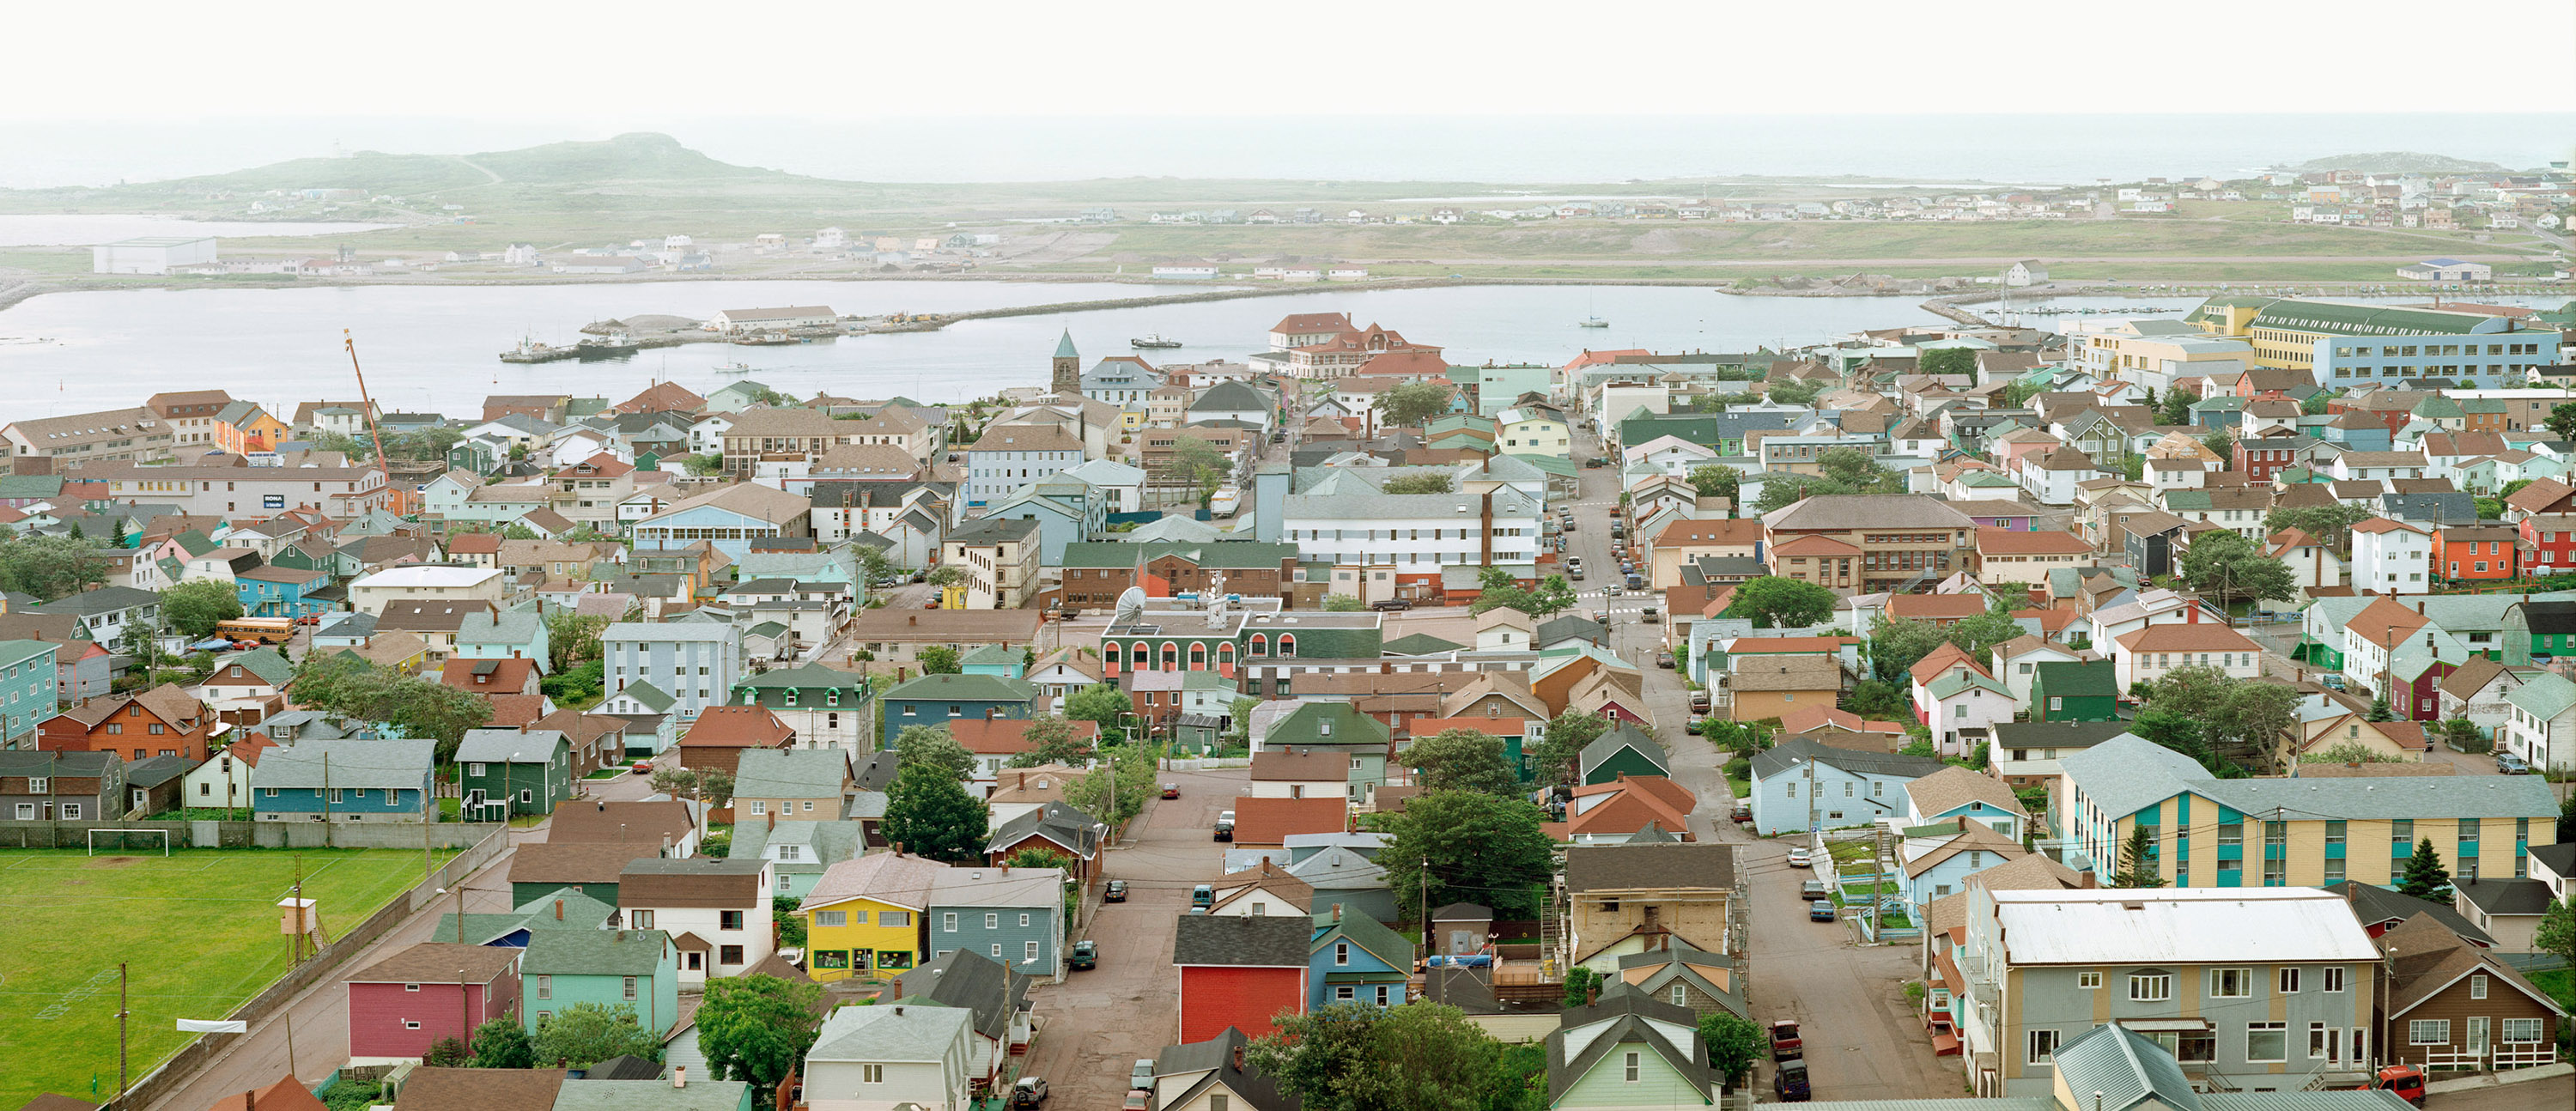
[1097, 1024]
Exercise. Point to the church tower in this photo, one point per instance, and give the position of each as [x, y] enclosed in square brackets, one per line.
[1068, 367]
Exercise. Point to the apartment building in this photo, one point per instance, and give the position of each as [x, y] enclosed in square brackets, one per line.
[1900, 537]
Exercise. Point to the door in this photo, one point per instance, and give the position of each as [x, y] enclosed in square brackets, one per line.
[2476, 1042]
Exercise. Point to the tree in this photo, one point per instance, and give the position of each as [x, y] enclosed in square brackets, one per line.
[1418, 484]
[1471, 846]
[2557, 932]
[1200, 462]
[782, 912]
[1896, 645]
[2316, 404]
[1734, 1043]
[196, 606]
[1740, 738]
[448, 1053]
[1238, 723]
[945, 577]
[1495, 588]
[708, 465]
[1788, 391]
[353, 688]
[1324, 1056]
[2229, 568]
[585, 1034]
[1920, 748]
[2221, 442]
[2425, 877]
[503, 1044]
[2346, 752]
[712, 785]
[1342, 603]
[2137, 865]
[1413, 403]
[2177, 407]
[124, 535]
[1717, 482]
[1464, 760]
[2379, 710]
[938, 659]
[572, 639]
[1100, 702]
[1875, 699]
[2489, 509]
[929, 812]
[2330, 525]
[2562, 420]
[49, 567]
[2567, 819]
[1856, 469]
[930, 746]
[1579, 982]
[756, 1028]
[1052, 740]
[1115, 792]
[1567, 736]
[1772, 602]
[1947, 360]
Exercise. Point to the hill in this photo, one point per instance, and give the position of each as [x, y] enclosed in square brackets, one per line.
[2397, 162]
[637, 158]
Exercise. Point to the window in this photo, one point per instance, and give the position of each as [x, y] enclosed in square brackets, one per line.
[411, 1024]
[2401, 834]
[2090, 980]
[639, 919]
[2428, 1031]
[728, 920]
[630, 987]
[411, 987]
[992, 921]
[2231, 983]
[729, 954]
[2334, 833]
[39, 785]
[892, 918]
[545, 987]
[2148, 987]
[2289, 981]
[1630, 1071]
[1029, 952]
[2267, 1041]
[71, 812]
[2522, 1029]
[1341, 952]
[2334, 979]
[947, 921]
[474, 769]
[872, 1074]
[2043, 1045]
[2478, 986]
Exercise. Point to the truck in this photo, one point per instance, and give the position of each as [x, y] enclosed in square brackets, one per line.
[1785, 1044]
[1225, 502]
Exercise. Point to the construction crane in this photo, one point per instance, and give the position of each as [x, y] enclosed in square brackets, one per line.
[366, 403]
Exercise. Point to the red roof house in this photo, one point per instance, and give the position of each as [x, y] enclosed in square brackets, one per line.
[722, 732]
[1269, 821]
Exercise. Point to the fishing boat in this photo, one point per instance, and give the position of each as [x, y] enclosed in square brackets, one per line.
[530, 351]
[764, 339]
[1592, 322]
[1153, 340]
[616, 346]
[735, 367]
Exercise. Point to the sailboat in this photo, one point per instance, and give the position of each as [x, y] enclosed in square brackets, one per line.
[1592, 319]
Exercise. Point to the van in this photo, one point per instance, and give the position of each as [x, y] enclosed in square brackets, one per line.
[1204, 895]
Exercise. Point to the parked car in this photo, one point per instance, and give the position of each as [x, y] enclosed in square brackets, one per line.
[1785, 1043]
[1116, 892]
[1141, 1077]
[1574, 563]
[1820, 910]
[1695, 725]
[1652, 616]
[1224, 831]
[1798, 858]
[2510, 764]
[1636, 582]
[1789, 1083]
[1743, 814]
[1030, 1091]
[1086, 956]
[1137, 1101]
[1575, 573]
[642, 767]
[1699, 701]
[1204, 895]
[1663, 659]
[1391, 604]
[1171, 790]
[1815, 889]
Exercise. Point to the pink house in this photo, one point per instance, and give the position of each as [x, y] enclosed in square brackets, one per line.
[407, 1002]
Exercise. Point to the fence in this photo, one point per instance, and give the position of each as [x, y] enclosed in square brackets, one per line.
[1207, 763]
[202, 1053]
[197, 834]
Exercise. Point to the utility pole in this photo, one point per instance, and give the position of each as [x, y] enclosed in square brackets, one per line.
[122, 1012]
[464, 1007]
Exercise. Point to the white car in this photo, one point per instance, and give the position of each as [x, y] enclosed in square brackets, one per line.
[1798, 858]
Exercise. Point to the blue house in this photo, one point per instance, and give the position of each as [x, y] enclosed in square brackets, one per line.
[1356, 959]
[508, 636]
[1799, 783]
[995, 659]
[274, 591]
[1015, 918]
[1067, 510]
[729, 517]
[1957, 792]
[1936, 860]
[936, 700]
[343, 780]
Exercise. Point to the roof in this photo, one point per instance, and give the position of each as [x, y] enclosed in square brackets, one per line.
[2127, 1067]
[1216, 1057]
[963, 688]
[595, 952]
[1622, 735]
[1836, 512]
[689, 881]
[2178, 926]
[287, 1094]
[890, 1032]
[648, 1092]
[1707, 864]
[362, 764]
[2506, 896]
[1248, 941]
[737, 727]
[438, 962]
[1623, 1015]
[2378, 906]
[1787, 673]
[1078, 833]
[887, 877]
[483, 1089]
[640, 822]
[1954, 787]
[2001, 541]
[969, 980]
[1269, 821]
[509, 746]
[2187, 636]
[1787, 754]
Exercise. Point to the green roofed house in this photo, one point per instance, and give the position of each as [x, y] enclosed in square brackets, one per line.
[592, 1093]
[563, 908]
[650, 724]
[1622, 750]
[2087, 691]
[504, 773]
[826, 706]
[798, 851]
[612, 968]
[1334, 725]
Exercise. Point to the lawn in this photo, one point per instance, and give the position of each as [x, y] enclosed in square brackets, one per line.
[200, 933]
[2560, 983]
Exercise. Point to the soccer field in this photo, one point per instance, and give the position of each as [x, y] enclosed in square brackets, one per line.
[198, 931]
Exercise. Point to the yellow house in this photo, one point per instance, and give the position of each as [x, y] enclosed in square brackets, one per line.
[2386, 741]
[2203, 831]
[1530, 430]
[865, 915]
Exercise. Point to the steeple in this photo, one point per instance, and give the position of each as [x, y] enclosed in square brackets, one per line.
[1067, 368]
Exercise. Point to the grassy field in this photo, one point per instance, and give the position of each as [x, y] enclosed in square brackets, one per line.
[197, 929]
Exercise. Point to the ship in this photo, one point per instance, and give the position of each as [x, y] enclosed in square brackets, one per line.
[764, 339]
[530, 351]
[735, 367]
[1153, 340]
[1592, 322]
[617, 345]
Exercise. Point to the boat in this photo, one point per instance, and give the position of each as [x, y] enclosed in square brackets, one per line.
[1153, 340]
[616, 346]
[1592, 322]
[530, 351]
[735, 367]
[764, 339]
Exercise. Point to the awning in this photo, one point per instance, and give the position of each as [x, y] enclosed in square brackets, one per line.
[2166, 1025]
[1363, 978]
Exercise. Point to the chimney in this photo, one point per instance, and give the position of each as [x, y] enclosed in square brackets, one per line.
[1238, 1058]
[895, 986]
[680, 1077]
[1337, 914]
[773, 821]
[250, 1099]
[898, 1012]
[558, 910]
[2088, 881]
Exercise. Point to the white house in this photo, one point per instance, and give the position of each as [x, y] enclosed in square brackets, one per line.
[1670, 454]
[2017, 663]
[2152, 652]
[894, 1055]
[2311, 564]
[724, 905]
[2390, 557]
[1963, 709]
[425, 582]
[1800, 783]
[1009, 457]
[2156, 606]
[695, 663]
[2540, 725]
[1343, 520]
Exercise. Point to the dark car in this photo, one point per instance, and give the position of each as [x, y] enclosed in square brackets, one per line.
[1820, 911]
[1171, 790]
[1815, 889]
[1789, 1082]
[1116, 892]
[1392, 604]
[1085, 956]
[1663, 659]
[1225, 831]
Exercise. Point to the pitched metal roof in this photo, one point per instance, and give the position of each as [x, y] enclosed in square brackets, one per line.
[1263, 942]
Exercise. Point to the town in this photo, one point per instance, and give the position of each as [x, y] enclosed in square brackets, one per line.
[1366, 723]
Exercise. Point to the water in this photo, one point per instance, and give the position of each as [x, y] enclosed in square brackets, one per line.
[83, 230]
[434, 348]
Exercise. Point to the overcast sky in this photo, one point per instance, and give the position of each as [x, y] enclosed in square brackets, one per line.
[647, 64]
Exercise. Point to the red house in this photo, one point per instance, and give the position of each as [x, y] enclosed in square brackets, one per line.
[403, 1004]
[2474, 552]
[2551, 540]
[1240, 972]
[163, 721]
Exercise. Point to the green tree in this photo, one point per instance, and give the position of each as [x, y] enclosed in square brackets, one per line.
[1495, 588]
[1198, 461]
[2137, 865]
[1100, 702]
[938, 659]
[2425, 878]
[2347, 752]
[929, 812]
[930, 746]
[1432, 1058]
[2330, 524]
[1772, 602]
[2316, 404]
[2379, 710]
[946, 576]
[2223, 442]
[1519, 1084]
[1717, 482]
[1734, 1043]
[351, 687]
[2489, 509]
[503, 1044]
[1053, 740]
[49, 567]
[1342, 603]
[1947, 360]
[703, 466]
[572, 639]
[1744, 739]
[1920, 748]
[124, 536]
[1463, 760]
[791, 925]
[585, 1034]
[196, 606]
[1116, 792]
[1238, 727]
[1413, 403]
[2562, 420]
[1325, 1057]
[1568, 734]
[448, 1053]
[1790, 391]
[2567, 819]
[2177, 407]
[1876, 699]
[2557, 932]
[1469, 845]
[1856, 469]
[1579, 982]
[2228, 568]
[757, 1028]
[711, 785]
[1418, 484]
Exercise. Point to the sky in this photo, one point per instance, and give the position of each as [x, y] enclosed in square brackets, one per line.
[644, 65]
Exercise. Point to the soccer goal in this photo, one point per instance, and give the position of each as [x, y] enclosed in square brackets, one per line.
[122, 842]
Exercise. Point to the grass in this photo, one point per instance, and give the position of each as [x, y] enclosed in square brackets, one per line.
[2560, 983]
[1741, 786]
[198, 929]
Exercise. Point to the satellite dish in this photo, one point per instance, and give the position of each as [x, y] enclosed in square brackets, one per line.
[1131, 605]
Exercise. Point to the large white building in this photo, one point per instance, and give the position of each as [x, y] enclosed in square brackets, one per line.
[425, 582]
[2390, 557]
[1012, 456]
[151, 254]
[1348, 522]
[235, 488]
[695, 663]
[733, 321]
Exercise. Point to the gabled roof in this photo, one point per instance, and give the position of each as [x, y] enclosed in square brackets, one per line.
[2426, 958]
[1077, 833]
[1242, 942]
[1620, 1017]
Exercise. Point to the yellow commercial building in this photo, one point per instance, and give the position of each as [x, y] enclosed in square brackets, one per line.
[866, 916]
[2344, 345]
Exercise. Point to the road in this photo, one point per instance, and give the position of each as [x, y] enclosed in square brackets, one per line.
[1098, 1023]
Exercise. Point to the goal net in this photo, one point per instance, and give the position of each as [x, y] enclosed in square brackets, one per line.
[125, 840]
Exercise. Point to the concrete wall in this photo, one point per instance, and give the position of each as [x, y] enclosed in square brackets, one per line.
[246, 835]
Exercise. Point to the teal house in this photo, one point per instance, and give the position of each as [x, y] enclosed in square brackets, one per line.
[2069, 691]
[1355, 958]
[563, 908]
[997, 660]
[275, 591]
[343, 780]
[798, 851]
[936, 700]
[638, 969]
[518, 635]
[1622, 750]
[506, 773]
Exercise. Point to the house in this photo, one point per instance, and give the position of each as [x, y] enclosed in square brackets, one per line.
[1204, 1076]
[2507, 909]
[1621, 750]
[1628, 1050]
[825, 706]
[155, 784]
[798, 851]
[164, 720]
[2071, 691]
[1624, 899]
[2151, 653]
[344, 780]
[1344, 875]
[665, 827]
[1962, 708]
[2297, 965]
[1825, 725]
[1271, 821]
[2380, 910]
[611, 968]
[66, 786]
[1357, 959]
[1260, 891]
[1300, 773]
[809, 784]
[2391, 557]
[2385, 740]
[2015, 556]
[505, 773]
[1771, 687]
[2540, 722]
[864, 915]
[716, 911]
[1012, 916]
[695, 663]
[1614, 812]
[1240, 973]
[1934, 861]
[936, 700]
[1704, 982]
[2458, 1005]
[730, 517]
[1000, 556]
[507, 636]
[1802, 784]
[892, 1055]
[425, 583]
[1051, 827]
[2025, 754]
[242, 689]
[590, 869]
[996, 996]
[722, 734]
[419, 995]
